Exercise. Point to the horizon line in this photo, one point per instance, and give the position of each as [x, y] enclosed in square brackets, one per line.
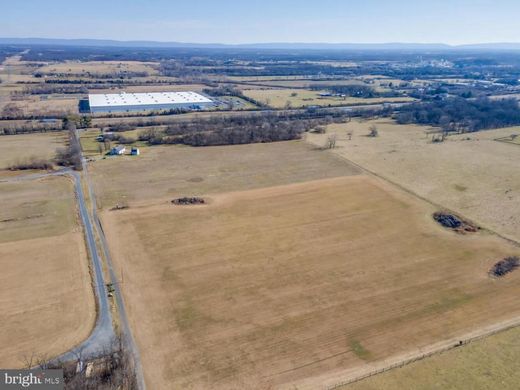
[262, 43]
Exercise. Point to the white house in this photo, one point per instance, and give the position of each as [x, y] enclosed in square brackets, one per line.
[118, 150]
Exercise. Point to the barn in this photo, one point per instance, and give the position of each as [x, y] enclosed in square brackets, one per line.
[126, 102]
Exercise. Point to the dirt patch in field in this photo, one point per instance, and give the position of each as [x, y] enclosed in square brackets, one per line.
[278, 286]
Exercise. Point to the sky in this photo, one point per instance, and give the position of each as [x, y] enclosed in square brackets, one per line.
[232, 21]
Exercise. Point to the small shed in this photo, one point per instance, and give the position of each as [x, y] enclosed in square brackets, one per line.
[135, 152]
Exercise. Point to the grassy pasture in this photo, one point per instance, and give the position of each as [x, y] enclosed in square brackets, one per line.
[278, 98]
[76, 67]
[153, 88]
[311, 83]
[51, 105]
[90, 146]
[282, 286]
[483, 364]
[45, 286]
[266, 78]
[471, 173]
[165, 171]
[18, 148]
[31, 210]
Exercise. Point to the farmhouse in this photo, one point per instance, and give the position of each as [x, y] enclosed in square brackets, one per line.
[123, 102]
[118, 150]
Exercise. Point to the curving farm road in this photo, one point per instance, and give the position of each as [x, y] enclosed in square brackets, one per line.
[123, 319]
[103, 333]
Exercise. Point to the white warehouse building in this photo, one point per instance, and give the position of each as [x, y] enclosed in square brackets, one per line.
[123, 102]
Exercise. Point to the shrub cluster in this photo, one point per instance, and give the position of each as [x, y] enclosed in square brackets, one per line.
[505, 266]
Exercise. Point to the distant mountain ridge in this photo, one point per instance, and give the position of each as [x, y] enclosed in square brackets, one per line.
[273, 46]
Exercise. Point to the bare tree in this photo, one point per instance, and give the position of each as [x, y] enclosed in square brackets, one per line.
[107, 145]
[331, 141]
[71, 155]
[11, 110]
[372, 131]
[438, 138]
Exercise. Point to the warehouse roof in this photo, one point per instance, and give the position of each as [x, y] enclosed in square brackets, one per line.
[145, 99]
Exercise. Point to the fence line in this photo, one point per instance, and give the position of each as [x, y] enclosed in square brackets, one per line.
[404, 362]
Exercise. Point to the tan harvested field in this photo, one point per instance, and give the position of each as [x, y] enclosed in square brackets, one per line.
[99, 120]
[278, 98]
[508, 96]
[166, 171]
[266, 78]
[34, 105]
[512, 139]
[311, 83]
[308, 83]
[45, 287]
[470, 173]
[290, 286]
[19, 148]
[32, 209]
[153, 88]
[77, 67]
[484, 364]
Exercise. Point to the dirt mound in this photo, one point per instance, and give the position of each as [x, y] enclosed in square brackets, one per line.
[454, 222]
[184, 201]
[503, 267]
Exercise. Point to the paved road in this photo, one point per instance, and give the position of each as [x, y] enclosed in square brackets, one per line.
[103, 333]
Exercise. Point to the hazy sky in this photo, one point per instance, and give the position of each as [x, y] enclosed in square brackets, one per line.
[250, 21]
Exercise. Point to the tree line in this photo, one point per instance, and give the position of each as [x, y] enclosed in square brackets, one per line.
[269, 127]
[458, 114]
